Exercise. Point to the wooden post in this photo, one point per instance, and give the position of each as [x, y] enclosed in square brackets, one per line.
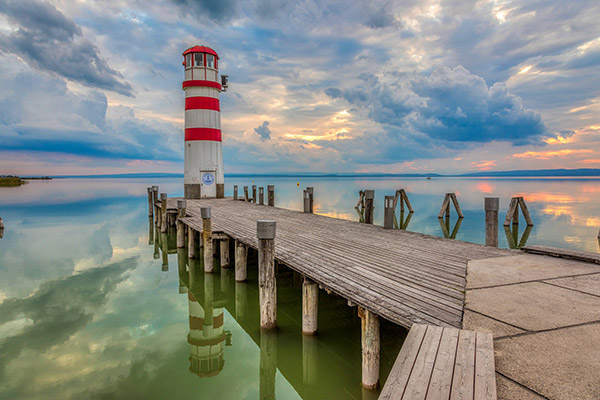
[207, 240]
[310, 306]
[492, 205]
[369, 207]
[191, 242]
[370, 342]
[261, 195]
[154, 200]
[235, 195]
[181, 213]
[246, 194]
[241, 258]
[220, 190]
[271, 195]
[265, 232]
[254, 194]
[388, 212]
[150, 205]
[163, 213]
[311, 203]
[1, 228]
[306, 201]
[525, 211]
[224, 250]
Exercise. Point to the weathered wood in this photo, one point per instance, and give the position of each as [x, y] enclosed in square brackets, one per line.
[181, 206]
[154, 201]
[310, 306]
[513, 208]
[241, 257]
[464, 367]
[388, 212]
[163, 213]
[246, 199]
[150, 202]
[404, 199]
[525, 211]
[456, 205]
[207, 239]
[485, 375]
[265, 232]
[254, 194]
[441, 377]
[311, 194]
[224, 252]
[563, 253]
[261, 195]
[491, 205]
[306, 201]
[445, 206]
[422, 369]
[369, 197]
[220, 190]
[370, 343]
[235, 192]
[271, 195]
[191, 243]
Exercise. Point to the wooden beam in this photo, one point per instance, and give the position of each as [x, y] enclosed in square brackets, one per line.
[224, 252]
[181, 213]
[492, 205]
[241, 258]
[310, 306]
[370, 342]
[265, 232]
[207, 240]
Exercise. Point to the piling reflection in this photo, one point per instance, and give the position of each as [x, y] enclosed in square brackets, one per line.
[403, 222]
[268, 363]
[150, 230]
[512, 235]
[445, 225]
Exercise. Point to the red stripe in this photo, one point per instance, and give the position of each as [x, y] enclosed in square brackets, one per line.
[203, 134]
[212, 84]
[202, 103]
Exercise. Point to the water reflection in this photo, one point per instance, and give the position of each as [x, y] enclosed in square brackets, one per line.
[445, 225]
[512, 235]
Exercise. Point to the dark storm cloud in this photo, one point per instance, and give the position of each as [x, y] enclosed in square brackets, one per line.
[58, 309]
[263, 131]
[449, 105]
[49, 41]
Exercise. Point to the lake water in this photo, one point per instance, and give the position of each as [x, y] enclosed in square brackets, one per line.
[93, 303]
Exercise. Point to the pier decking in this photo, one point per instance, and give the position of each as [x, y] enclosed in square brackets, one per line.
[405, 277]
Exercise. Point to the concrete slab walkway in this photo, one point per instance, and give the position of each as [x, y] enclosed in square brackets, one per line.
[544, 314]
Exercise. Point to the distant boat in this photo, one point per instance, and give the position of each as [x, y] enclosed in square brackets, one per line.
[428, 177]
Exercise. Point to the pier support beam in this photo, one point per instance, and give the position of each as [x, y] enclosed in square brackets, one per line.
[254, 194]
[261, 195]
[235, 195]
[388, 212]
[271, 195]
[154, 200]
[191, 242]
[181, 213]
[241, 258]
[163, 213]
[492, 205]
[246, 194]
[224, 250]
[150, 205]
[369, 207]
[309, 200]
[265, 232]
[310, 306]
[371, 346]
[207, 241]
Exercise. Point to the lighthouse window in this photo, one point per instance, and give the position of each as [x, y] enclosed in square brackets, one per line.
[210, 61]
[188, 60]
[198, 60]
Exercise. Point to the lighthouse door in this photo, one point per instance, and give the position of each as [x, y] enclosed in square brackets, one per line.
[208, 184]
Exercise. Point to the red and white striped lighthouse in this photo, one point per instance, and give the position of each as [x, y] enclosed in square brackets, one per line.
[203, 175]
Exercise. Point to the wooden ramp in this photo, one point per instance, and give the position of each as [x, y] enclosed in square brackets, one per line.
[438, 363]
[405, 277]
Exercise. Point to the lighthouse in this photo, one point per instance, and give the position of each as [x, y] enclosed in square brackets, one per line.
[203, 174]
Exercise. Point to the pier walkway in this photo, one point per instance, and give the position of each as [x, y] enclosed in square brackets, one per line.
[402, 276]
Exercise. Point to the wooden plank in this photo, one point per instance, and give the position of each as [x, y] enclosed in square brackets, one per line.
[445, 205]
[464, 367]
[525, 211]
[563, 253]
[400, 373]
[485, 371]
[456, 205]
[416, 388]
[441, 379]
[512, 207]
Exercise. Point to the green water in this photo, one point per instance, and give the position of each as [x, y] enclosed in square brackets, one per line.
[93, 304]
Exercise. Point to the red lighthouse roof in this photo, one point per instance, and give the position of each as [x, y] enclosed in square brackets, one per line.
[201, 49]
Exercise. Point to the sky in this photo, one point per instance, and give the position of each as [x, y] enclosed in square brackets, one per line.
[314, 86]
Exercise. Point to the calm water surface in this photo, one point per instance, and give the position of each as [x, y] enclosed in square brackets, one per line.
[95, 304]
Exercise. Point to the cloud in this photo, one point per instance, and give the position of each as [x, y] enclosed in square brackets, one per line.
[49, 41]
[222, 10]
[263, 131]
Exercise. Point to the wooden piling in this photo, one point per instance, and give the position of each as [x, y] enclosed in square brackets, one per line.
[191, 242]
[254, 194]
[246, 199]
[181, 213]
[163, 213]
[450, 197]
[224, 250]
[265, 232]
[311, 203]
[388, 212]
[310, 306]
[220, 190]
[369, 207]
[207, 240]
[261, 195]
[150, 205]
[241, 260]
[271, 195]
[235, 190]
[370, 341]
[154, 200]
[492, 205]
[306, 201]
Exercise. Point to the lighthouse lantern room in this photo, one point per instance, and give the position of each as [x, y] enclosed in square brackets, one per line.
[203, 174]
